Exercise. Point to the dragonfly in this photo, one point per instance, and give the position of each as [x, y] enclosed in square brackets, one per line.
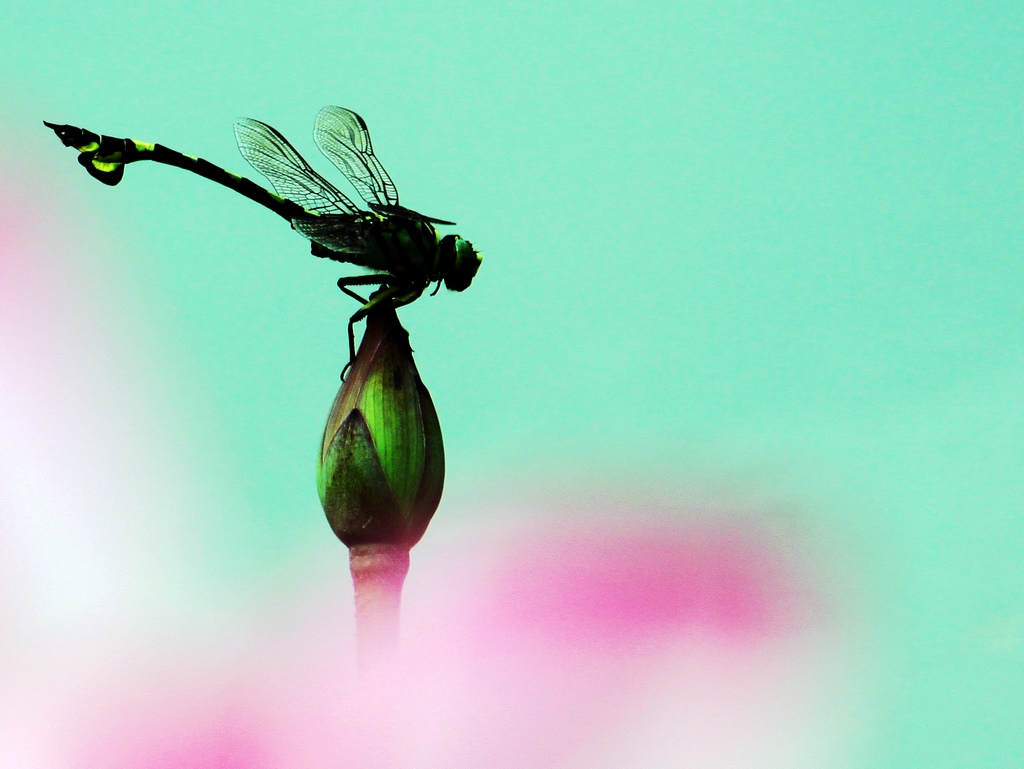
[401, 247]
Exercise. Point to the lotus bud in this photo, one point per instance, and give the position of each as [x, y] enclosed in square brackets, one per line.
[381, 468]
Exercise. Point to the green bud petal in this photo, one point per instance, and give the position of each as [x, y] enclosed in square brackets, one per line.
[428, 496]
[355, 494]
[390, 402]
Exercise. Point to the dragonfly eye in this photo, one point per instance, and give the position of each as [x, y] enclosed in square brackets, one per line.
[459, 262]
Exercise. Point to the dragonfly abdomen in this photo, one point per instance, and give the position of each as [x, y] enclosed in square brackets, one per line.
[279, 205]
[105, 157]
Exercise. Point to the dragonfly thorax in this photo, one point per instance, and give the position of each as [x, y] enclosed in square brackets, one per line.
[410, 250]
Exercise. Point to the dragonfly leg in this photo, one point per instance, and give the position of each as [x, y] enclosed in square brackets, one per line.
[343, 284]
[360, 280]
[394, 295]
[353, 294]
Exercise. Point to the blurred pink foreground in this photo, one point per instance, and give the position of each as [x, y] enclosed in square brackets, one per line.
[581, 649]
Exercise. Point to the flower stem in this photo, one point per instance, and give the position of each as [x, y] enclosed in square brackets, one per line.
[378, 572]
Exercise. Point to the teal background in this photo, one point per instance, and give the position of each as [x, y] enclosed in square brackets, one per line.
[741, 251]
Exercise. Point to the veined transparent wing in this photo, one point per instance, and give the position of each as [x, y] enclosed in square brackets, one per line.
[342, 233]
[272, 155]
[344, 138]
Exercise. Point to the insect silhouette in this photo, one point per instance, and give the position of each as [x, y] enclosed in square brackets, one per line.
[399, 246]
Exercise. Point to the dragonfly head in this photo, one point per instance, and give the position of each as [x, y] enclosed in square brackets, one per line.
[459, 262]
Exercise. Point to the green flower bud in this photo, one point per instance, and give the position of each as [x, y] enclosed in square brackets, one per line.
[381, 466]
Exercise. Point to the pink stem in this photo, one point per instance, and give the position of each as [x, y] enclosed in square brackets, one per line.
[378, 572]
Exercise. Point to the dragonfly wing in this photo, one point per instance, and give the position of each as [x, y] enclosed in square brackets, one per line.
[344, 138]
[272, 155]
[343, 233]
[406, 213]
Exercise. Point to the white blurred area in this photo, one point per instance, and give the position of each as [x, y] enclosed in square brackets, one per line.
[101, 559]
[630, 640]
